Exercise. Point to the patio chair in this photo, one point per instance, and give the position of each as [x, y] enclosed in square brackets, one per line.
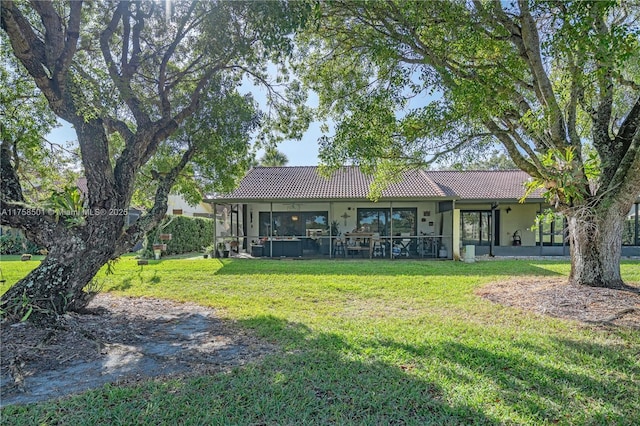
[405, 244]
[338, 247]
[357, 244]
[377, 246]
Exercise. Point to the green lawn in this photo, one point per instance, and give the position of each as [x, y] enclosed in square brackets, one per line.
[370, 342]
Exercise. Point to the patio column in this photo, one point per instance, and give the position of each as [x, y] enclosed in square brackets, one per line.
[271, 229]
[455, 223]
[391, 229]
[540, 230]
[329, 219]
[215, 230]
[637, 227]
[492, 229]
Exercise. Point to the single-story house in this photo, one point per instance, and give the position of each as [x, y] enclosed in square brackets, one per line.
[296, 212]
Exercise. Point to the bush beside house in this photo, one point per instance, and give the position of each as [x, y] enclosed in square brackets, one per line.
[188, 234]
[14, 242]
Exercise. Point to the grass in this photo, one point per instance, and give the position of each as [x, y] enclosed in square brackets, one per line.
[370, 342]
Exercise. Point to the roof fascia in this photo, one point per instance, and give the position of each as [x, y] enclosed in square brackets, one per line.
[321, 200]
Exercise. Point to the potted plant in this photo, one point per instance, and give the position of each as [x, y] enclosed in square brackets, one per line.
[208, 250]
[221, 249]
[335, 228]
[161, 247]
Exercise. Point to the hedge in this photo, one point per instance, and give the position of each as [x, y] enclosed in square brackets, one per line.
[188, 234]
[14, 242]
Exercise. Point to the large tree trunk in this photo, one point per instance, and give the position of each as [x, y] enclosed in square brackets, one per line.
[595, 238]
[57, 284]
[54, 287]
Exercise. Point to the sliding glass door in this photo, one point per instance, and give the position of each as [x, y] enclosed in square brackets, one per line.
[381, 220]
[475, 227]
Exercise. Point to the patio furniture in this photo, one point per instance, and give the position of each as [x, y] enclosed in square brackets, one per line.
[428, 246]
[338, 247]
[359, 242]
[378, 247]
[404, 244]
[283, 247]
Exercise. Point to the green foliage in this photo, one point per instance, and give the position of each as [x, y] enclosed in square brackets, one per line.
[494, 160]
[563, 181]
[415, 83]
[16, 243]
[41, 165]
[273, 158]
[68, 205]
[188, 234]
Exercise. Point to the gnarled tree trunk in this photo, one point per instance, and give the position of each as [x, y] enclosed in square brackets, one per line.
[74, 258]
[595, 237]
[55, 286]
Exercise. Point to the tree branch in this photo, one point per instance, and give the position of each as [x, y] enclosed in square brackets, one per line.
[531, 42]
[512, 149]
[146, 223]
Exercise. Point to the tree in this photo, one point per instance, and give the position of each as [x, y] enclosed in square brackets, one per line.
[26, 119]
[494, 160]
[556, 83]
[273, 158]
[151, 90]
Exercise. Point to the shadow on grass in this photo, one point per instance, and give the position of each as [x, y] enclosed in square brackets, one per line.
[316, 381]
[320, 378]
[384, 268]
[524, 378]
[520, 375]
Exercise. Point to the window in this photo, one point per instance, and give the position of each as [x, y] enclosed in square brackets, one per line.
[554, 232]
[292, 224]
[381, 221]
[631, 227]
[475, 227]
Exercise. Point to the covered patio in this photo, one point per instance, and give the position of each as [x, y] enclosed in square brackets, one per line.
[294, 212]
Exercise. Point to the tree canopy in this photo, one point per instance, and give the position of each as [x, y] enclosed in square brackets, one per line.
[41, 164]
[410, 83]
[152, 91]
[272, 157]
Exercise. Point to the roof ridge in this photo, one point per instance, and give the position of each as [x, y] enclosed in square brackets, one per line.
[432, 182]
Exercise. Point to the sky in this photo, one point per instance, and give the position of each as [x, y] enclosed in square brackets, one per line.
[300, 153]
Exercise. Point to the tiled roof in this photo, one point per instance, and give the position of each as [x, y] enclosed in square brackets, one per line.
[295, 183]
[483, 185]
[287, 183]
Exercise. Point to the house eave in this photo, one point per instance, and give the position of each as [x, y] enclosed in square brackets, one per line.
[323, 200]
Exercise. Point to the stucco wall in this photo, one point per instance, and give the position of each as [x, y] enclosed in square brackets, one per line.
[176, 202]
[520, 218]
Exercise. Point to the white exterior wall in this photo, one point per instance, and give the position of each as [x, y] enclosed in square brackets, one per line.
[176, 202]
[520, 218]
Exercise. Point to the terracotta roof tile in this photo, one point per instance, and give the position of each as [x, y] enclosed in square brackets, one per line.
[481, 185]
[305, 183]
[289, 183]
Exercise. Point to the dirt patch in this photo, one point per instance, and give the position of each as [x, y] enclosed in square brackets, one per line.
[126, 340]
[553, 296]
[121, 340]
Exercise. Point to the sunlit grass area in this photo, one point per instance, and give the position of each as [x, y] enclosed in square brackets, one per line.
[370, 342]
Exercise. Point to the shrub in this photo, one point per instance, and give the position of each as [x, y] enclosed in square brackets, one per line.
[16, 243]
[188, 234]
